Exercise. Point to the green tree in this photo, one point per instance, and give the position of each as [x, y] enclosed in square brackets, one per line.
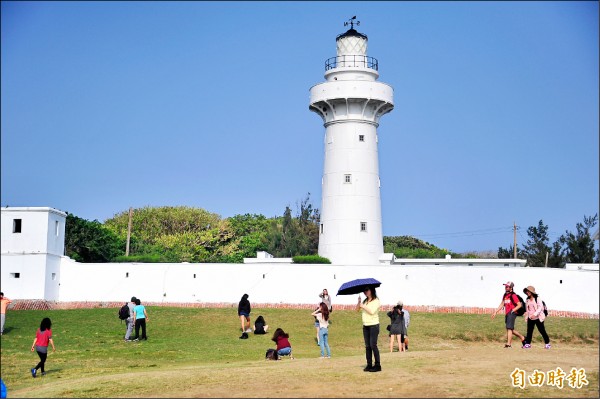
[201, 246]
[509, 253]
[150, 223]
[579, 247]
[175, 234]
[91, 242]
[537, 247]
[289, 236]
[309, 218]
[250, 233]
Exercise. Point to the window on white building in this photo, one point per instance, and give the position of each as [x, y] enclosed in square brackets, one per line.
[361, 137]
[56, 227]
[15, 275]
[321, 228]
[363, 226]
[53, 276]
[347, 178]
[17, 225]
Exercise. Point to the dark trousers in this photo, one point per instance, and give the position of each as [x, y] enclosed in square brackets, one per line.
[43, 357]
[371, 334]
[541, 329]
[142, 323]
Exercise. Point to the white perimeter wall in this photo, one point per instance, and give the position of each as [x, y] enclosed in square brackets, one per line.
[469, 286]
[31, 276]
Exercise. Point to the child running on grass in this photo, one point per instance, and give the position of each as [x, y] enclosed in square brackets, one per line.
[43, 337]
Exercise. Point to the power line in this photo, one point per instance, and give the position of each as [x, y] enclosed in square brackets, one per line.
[495, 230]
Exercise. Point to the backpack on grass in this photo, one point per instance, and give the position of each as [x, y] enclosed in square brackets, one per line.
[124, 312]
[521, 310]
[271, 354]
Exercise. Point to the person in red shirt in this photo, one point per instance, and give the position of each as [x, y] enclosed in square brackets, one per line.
[511, 304]
[284, 347]
[43, 337]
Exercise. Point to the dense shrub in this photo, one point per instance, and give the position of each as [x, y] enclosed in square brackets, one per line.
[310, 259]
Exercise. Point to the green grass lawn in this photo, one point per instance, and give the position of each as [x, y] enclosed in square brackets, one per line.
[90, 341]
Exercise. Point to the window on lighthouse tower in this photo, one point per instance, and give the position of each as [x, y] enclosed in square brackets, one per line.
[361, 137]
[347, 178]
[363, 226]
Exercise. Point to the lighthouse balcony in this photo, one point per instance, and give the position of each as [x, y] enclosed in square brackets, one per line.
[351, 61]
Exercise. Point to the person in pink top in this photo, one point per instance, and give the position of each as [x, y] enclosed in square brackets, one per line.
[3, 305]
[535, 317]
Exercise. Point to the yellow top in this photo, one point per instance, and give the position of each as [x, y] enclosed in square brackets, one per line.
[369, 319]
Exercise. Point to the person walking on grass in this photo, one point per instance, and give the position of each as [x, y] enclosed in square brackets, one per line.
[141, 317]
[535, 317]
[322, 315]
[370, 319]
[4, 302]
[130, 320]
[43, 337]
[284, 347]
[510, 302]
[244, 310]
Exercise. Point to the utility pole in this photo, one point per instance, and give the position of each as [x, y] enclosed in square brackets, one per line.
[515, 240]
[128, 231]
[546, 264]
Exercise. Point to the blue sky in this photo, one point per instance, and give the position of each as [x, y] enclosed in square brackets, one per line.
[107, 105]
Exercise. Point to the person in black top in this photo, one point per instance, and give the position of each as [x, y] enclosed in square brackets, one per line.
[244, 309]
[260, 326]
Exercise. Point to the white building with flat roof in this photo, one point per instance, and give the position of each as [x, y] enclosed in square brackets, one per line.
[32, 247]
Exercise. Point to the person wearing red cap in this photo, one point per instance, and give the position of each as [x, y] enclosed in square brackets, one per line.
[510, 302]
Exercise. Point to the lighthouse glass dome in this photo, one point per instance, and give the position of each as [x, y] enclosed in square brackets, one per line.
[351, 52]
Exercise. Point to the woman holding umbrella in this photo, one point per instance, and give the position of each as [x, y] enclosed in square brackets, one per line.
[370, 319]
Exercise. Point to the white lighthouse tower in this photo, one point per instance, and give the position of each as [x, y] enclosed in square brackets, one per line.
[351, 102]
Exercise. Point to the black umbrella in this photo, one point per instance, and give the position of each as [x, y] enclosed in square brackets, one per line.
[357, 286]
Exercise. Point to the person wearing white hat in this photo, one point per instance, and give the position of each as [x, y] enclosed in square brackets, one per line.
[511, 303]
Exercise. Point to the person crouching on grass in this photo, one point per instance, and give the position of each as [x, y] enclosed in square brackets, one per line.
[510, 303]
[43, 337]
[284, 347]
